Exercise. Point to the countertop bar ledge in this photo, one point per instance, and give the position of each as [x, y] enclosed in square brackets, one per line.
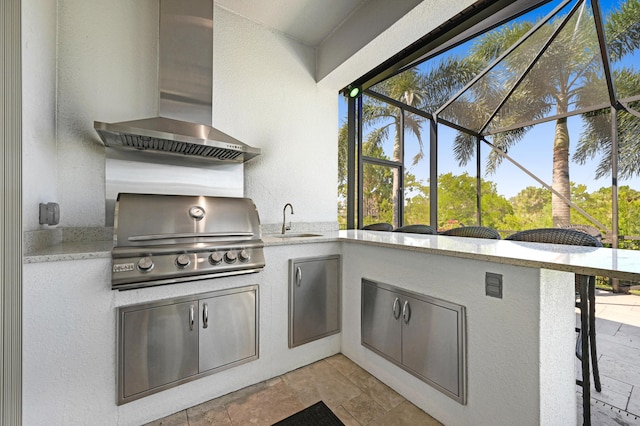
[616, 263]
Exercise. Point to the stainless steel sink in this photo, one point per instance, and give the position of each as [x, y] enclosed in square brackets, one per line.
[293, 235]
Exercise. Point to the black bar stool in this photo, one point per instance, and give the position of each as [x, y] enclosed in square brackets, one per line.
[473, 232]
[586, 303]
[378, 227]
[416, 229]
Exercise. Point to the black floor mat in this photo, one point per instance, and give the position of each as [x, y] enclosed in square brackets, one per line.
[316, 415]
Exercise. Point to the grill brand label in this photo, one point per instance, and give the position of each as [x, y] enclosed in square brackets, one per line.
[123, 267]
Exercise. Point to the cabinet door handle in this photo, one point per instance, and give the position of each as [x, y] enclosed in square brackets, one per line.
[396, 308]
[205, 315]
[298, 276]
[191, 317]
[406, 312]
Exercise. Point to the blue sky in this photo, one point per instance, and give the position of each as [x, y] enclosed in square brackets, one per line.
[534, 152]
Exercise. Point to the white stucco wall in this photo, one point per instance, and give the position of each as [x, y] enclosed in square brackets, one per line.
[38, 107]
[107, 55]
[265, 94]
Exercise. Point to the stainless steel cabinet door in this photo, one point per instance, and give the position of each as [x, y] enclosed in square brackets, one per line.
[159, 346]
[381, 324]
[314, 299]
[430, 339]
[227, 329]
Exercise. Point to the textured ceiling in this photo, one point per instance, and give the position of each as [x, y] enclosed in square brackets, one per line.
[307, 21]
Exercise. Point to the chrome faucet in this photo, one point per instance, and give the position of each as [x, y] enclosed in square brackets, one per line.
[285, 228]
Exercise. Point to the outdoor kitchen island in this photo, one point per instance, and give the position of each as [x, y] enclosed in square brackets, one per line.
[519, 361]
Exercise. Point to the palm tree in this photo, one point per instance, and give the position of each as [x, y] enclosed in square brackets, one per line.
[623, 37]
[426, 92]
[407, 88]
[568, 73]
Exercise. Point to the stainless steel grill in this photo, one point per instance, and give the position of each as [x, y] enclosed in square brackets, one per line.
[164, 239]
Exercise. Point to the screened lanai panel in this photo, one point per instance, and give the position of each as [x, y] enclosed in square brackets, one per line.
[622, 34]
[380, 129]
[377, 194]
[556, 69]
[516, 46]
[568, 77]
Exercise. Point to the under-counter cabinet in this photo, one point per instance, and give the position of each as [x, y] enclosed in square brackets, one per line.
[423, 335]
[314, 298]
[165, 343]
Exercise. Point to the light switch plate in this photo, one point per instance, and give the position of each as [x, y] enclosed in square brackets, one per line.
[493, 285]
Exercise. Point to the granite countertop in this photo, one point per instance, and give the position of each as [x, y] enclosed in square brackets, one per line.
[617, 263]
[76, 250]
[299, 238]
[79, 250]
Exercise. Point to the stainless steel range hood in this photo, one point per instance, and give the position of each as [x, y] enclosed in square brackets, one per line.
[174, 137]
[185, 93]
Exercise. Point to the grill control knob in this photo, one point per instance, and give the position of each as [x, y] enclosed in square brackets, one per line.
[243, 256]
[183, 261]
[145, 264]
[230, 257]
[215, 258]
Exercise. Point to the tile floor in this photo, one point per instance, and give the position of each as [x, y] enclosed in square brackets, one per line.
[358, 398]
[354, 395]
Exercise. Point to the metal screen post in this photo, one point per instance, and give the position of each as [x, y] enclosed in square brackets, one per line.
[351, 162]
[433, 173]
[478, 184]
[615, 282]
[358, 161]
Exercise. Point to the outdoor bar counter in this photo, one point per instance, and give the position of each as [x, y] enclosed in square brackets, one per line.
[520, 348]
[617, 263]
[519, 361]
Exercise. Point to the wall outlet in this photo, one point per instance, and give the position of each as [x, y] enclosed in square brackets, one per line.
[493, 285]
[49, 214]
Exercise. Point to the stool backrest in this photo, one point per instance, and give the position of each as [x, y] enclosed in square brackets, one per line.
[473, 232]
[556, 236]
[378, 227]
[416, 229]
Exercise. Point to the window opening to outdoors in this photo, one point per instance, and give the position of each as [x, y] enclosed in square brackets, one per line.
[537, 124]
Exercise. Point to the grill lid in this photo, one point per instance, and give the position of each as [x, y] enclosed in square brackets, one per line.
[177, 137]
[145, 220]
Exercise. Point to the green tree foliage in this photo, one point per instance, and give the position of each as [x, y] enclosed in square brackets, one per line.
[531, 209]
[343, 135]
[416, 205]
[457, 202]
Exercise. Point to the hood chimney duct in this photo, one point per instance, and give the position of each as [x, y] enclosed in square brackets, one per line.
[177, 152]
[186, 60]
[185, 75]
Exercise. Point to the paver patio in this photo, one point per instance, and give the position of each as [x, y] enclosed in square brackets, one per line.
[618, 344]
